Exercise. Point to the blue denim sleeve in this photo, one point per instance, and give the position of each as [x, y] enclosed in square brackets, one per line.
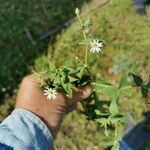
[139, 136]
[22, 130]
[125, 146]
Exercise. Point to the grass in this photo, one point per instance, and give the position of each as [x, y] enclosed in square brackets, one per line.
[126, 36]
[22, 24]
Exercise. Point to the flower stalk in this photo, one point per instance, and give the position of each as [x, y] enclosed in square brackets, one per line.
[77, 11]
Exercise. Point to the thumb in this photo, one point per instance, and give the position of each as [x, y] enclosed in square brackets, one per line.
[78, 95]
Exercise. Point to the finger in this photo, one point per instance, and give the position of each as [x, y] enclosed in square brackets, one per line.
[78, 95]
[31, 80]
[81, 94]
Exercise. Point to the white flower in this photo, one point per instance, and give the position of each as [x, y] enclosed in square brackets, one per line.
[96, 46]
[51, 93]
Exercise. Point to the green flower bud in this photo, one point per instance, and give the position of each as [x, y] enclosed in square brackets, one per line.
[77, 11]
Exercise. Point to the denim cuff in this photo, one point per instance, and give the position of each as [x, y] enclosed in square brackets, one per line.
[35, 120]
[24, 130]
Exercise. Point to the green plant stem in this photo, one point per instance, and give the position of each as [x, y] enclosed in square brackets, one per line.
[85, 38]
[86, 55]
[116, 132]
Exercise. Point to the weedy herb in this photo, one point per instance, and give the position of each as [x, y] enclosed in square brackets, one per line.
[65, 77]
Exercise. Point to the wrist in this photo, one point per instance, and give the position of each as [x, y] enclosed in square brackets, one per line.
[37, 111]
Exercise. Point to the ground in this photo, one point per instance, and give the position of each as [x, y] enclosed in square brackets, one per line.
[126, 36]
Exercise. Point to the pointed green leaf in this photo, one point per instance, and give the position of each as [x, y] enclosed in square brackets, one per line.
[102, 81]
[104, 123]
[144, 91]
[113, 108]
[80, 73]
[148, 85]
[117, 120]
[106, 131]
[138, 80]
[72, 79]
[105, 89]
[97, 112]
[68, 88]
[123, 81]
[57, 79]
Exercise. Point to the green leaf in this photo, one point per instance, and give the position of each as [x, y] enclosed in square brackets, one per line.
[72, 79]
[116, 146]
[117, 120]
[104, 123]
[144, 91]
[148, 85]
[138, 80]
[106, 131]
[68, 88]
[80, 72]
[123, 81]
[57, 79]
[98, 112]
[68, 63]
[129, 87]
[52, 66]
[113, 108]
[100, 80]
[105, 89]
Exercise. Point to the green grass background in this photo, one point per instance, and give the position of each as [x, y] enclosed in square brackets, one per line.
[126, 36]
[17, 52]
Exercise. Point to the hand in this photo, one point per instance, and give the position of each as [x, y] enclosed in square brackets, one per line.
[51, 112]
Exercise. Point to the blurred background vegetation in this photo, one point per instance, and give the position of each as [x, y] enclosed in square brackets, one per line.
[22, 27]
[24, 44]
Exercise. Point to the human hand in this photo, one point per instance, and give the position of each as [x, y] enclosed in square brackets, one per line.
[51, 112]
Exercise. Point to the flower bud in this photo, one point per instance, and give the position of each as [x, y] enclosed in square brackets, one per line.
[77, 11]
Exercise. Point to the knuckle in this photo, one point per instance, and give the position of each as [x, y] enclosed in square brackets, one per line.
[26, 79]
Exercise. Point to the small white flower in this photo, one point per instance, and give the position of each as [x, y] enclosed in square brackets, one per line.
[51, 93]
[96, 46]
